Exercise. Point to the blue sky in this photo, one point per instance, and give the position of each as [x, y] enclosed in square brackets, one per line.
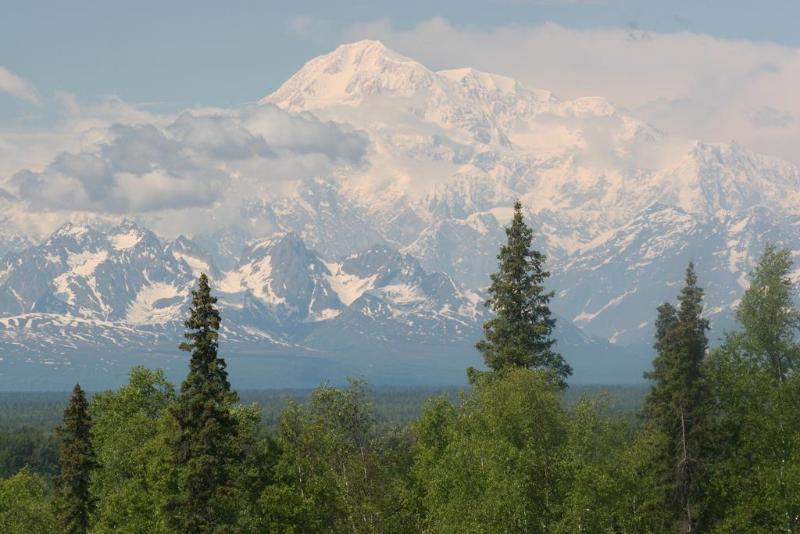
[176, 54]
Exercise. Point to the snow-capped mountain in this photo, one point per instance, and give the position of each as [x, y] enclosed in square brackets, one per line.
[125, 290]
[122, 293]
[618, 206]
[383, 258]
[126, 274]
[199, 261]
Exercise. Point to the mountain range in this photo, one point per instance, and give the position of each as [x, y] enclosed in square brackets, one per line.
[379, 266]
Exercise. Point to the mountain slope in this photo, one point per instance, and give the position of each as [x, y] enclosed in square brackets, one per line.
[451, 150]
[120, 296]
[379, 262]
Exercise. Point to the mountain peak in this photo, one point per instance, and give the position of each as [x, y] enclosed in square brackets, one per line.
[350, 74]
[365, 45]
[128, 224]
[128, 234]
[487, 80]
[70, 229]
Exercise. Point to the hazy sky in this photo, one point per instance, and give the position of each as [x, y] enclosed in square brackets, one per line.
[85, 85]
[174, 54]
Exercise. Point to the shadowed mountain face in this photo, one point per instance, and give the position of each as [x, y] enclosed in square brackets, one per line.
[376, 267]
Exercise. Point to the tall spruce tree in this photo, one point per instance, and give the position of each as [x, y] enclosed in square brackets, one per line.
[76, 460]
[205, 447]
[675, 404]
[520, 333]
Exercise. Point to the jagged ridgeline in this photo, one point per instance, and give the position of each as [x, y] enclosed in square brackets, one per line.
[111, 298]
[379, 263]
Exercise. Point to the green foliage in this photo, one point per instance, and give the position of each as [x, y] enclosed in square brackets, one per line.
[755, 450]
[520, 334]
[253, 471]
[205, 443]
[676, 405]
[24, 507]
[335, 472]
[768, 316]
[28, 447]
[494, 463]
[755, 409]
[510, 458]
[608, 482]
[76, 459]
[129, 436]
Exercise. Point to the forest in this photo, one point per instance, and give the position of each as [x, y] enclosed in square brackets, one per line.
[710, 444]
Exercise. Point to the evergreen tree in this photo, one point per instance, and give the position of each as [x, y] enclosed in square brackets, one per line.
[205, 446]
[676, 402]
[76, 460]
[520, 333]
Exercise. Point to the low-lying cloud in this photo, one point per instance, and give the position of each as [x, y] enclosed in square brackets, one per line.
[689, 84]
[198, 160]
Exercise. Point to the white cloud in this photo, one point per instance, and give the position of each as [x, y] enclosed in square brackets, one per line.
[15, 86]
[80, 125]
[308, 27]
[693, 85]
[199, 169]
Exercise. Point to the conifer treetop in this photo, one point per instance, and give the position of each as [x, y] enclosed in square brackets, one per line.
[520, 334]
[76, 459]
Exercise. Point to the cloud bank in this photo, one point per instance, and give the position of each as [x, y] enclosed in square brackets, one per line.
[195, 162]
[689, 84]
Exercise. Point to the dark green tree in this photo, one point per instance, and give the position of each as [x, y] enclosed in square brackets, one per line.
[205, 446]
[520, 333]
[76, 460]
[675, 404]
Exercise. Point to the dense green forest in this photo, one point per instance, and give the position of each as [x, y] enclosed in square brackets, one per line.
[712, 444]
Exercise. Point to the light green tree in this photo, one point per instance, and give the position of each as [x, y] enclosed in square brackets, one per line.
[768, 317]
[495, 462]
[608, 483]
[24, 506]
[755, 408]
[335, 471]
[129, 439]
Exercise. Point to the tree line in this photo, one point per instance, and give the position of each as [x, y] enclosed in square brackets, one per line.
[715, 448]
